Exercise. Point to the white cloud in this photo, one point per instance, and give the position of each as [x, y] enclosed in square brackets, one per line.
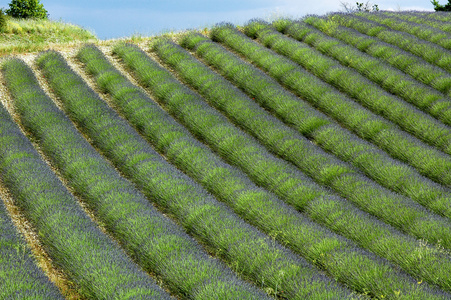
[403, 8]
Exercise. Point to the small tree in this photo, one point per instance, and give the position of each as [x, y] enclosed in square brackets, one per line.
[360, 6]
[439, 7]
[27, 9]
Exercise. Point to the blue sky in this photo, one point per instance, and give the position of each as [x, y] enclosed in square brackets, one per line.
[116, 18]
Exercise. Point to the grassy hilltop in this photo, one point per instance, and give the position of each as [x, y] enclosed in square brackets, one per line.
[25, 36]
[298, 159]
[31, 35]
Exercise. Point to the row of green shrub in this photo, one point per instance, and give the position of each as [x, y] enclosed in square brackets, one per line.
[367, 93]
[207, 124]
[20, 276]
[158, 245]
[173, 141]
[408, 63]
[366, 124]
[440, 16]
[248, 252]
[390, 78]
[420, 19]
[428, 51]
[73, 241]
[325, 168]
[422, 31]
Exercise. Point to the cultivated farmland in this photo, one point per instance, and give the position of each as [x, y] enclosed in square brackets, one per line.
[299, 159]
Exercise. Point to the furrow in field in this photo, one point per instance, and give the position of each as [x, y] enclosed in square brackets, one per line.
[75, 244]
[206, 123]
[156, 244]
[248, 251]
[390, 78]
[57, 277]
[20, 276]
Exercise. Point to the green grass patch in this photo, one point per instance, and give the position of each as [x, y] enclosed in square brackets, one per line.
[33, 35]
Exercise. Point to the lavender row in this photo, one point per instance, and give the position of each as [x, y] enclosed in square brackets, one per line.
[323, 167]
[428, 51]
[367, 125]
[390, 78]
[144, 232]
[242, 110]
[418, 19]
[246, 250]
[73, 241]
[20, 276]
[364, 91]
[408, 63]
[181, 148]
[210, 127]
[422, 31]
[437, 15]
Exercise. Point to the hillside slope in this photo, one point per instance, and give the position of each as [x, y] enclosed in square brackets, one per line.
[303, 159]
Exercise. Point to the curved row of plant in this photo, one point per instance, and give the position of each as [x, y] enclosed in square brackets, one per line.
[20, 276]
[428, 51]
[366, 124]
[73, 241]
[389, 77]
[323, 167]
[158, 245]
[411, 64]
[208, 125]
[418, 19]
[422, 31]
[437, 15]
[366, 92]
[249, 252]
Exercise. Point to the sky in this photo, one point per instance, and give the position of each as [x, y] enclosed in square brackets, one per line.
[109, 19]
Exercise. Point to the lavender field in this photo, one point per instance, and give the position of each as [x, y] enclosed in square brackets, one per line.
[299, 159]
